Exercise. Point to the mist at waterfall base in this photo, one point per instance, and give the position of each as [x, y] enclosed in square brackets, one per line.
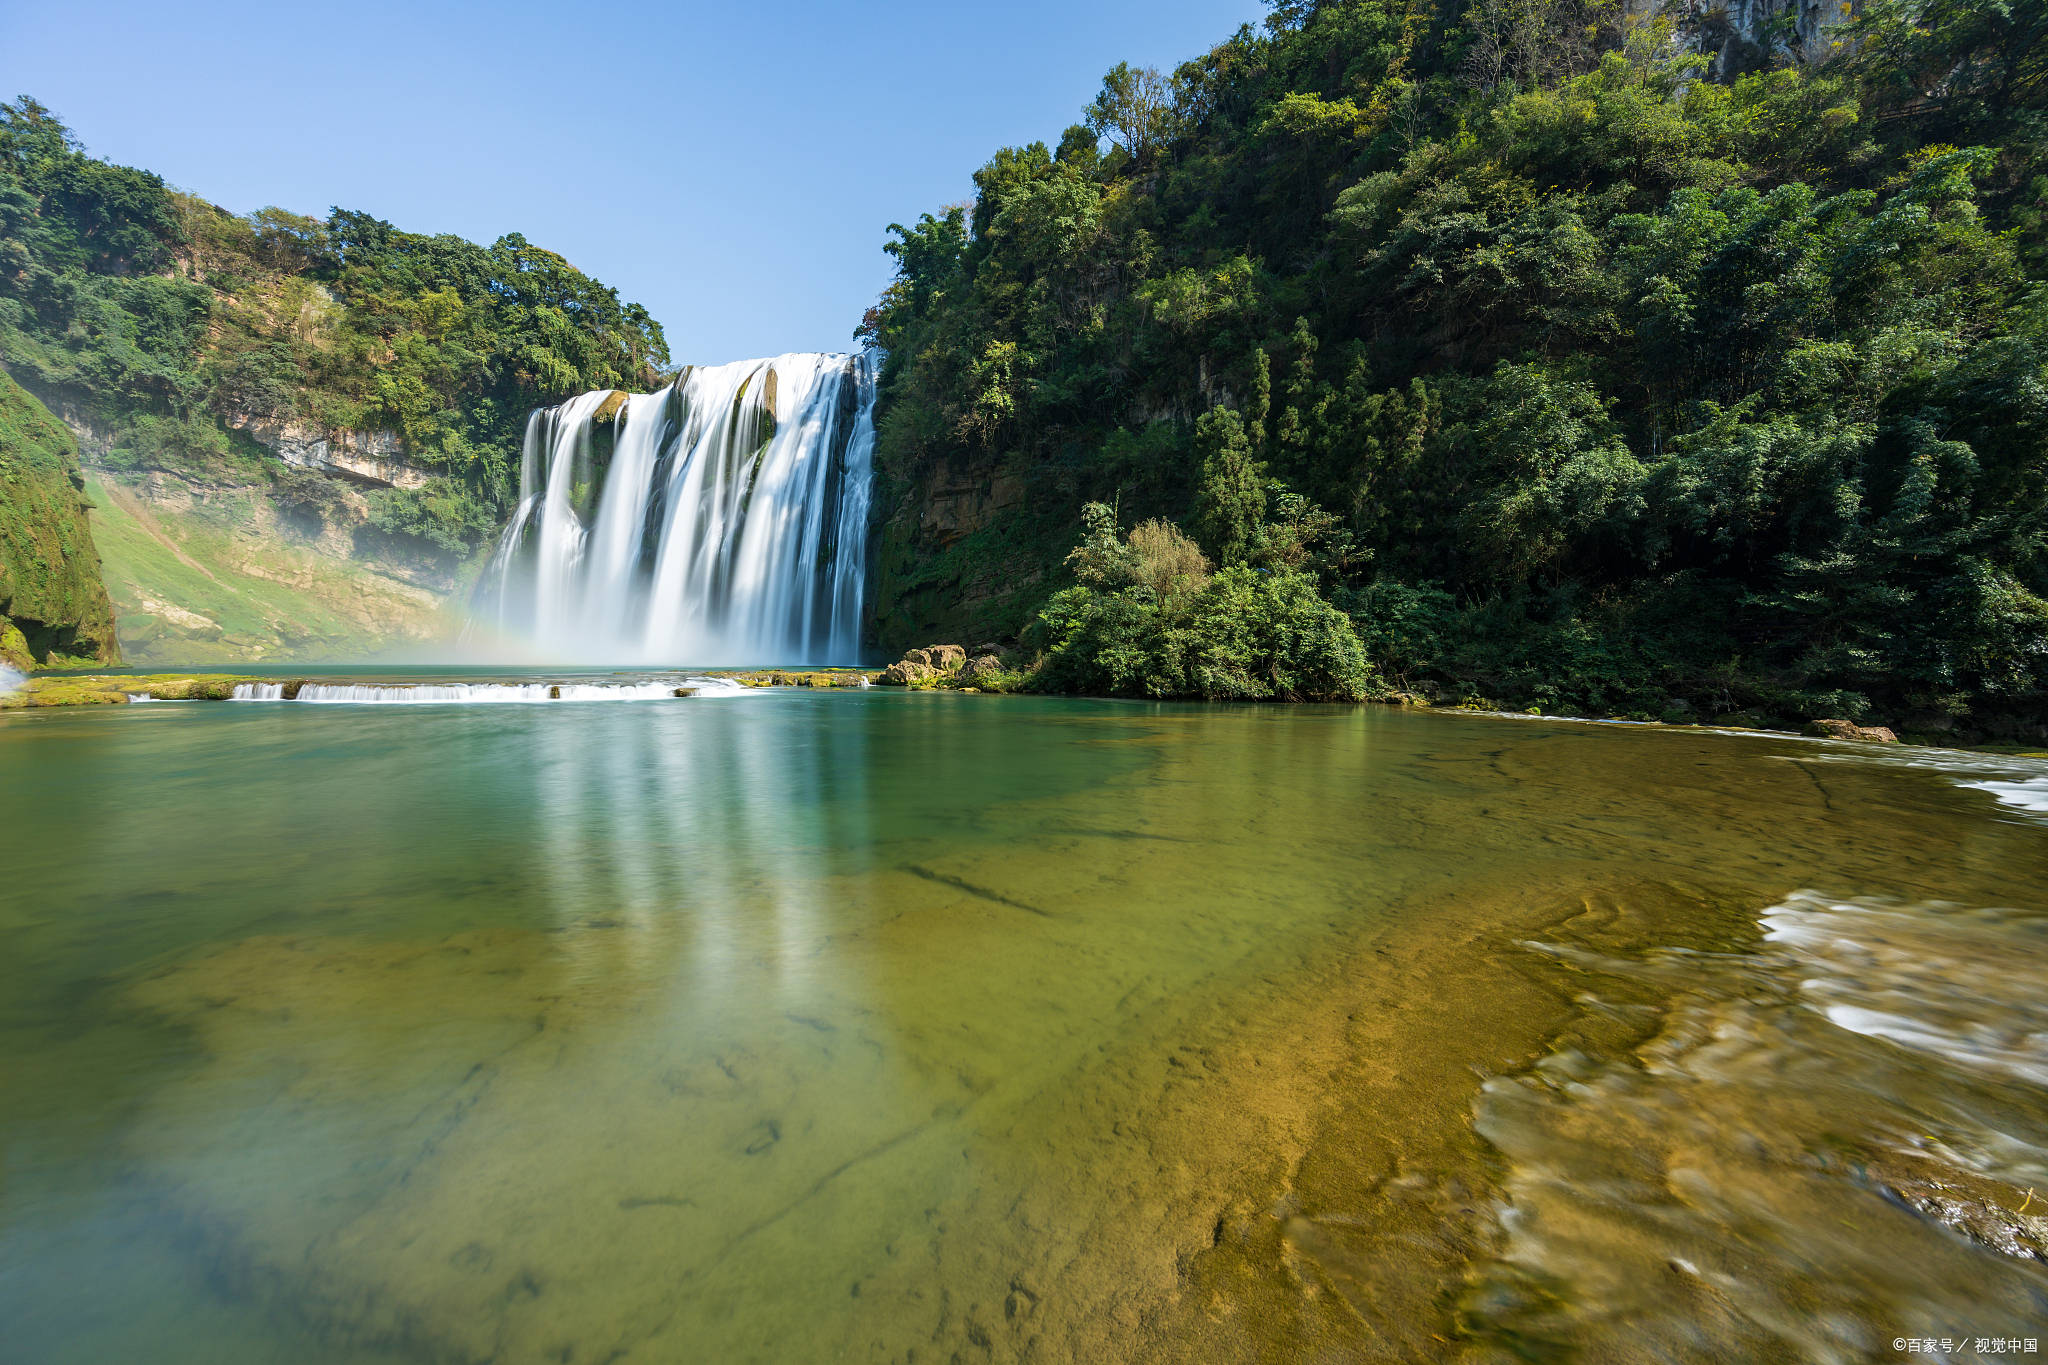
[720, 520]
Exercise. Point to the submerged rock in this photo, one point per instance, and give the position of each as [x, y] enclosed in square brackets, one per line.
[1844, 729]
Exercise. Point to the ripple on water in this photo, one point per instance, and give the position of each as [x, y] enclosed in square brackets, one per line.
[1824, 1143]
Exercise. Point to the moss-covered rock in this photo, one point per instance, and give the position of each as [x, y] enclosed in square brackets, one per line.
[906, 673]
[118, 689]
[53, 606]
[1844, 729]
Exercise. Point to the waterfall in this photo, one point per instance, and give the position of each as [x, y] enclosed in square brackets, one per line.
[720, 520]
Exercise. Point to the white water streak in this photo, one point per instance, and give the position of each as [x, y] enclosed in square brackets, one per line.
[425, 694]
[727, 523]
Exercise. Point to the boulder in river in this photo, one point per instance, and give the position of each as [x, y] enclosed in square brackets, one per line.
[905, 672]
[946, 658]
[1845, 729]
[987, 666]
[917, 656]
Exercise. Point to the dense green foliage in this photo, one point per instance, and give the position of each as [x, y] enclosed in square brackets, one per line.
[1575, 377]
[53, 608]
[1148, 619]
[177, 327]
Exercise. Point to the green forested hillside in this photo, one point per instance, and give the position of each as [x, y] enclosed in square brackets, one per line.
[174, 327]
[53, 607]
[1577, 373]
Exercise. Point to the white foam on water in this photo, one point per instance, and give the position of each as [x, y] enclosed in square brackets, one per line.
[1824, 1140]
[469, 694]
[2030, 794]
[1967, 986]
[11, 679]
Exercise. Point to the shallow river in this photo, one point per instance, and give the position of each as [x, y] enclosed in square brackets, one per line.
[794, 1026]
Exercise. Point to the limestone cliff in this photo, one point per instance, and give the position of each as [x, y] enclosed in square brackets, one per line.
[53, 607]
[1746, 35]
[960, 550]
[221, 569]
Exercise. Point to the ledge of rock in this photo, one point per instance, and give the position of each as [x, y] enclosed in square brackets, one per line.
[1844, 729]
[371, 457]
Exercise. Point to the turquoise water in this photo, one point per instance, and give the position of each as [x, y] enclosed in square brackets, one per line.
[794, 1026]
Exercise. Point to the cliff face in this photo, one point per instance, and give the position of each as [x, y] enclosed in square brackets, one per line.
[227, 560]
[53, 606]
[1746, 35]
[959, 552]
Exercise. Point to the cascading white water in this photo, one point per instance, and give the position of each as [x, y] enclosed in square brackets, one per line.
[722, 519]
[427, 694]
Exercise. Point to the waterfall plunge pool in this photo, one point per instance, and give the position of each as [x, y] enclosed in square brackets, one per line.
[852, 1025]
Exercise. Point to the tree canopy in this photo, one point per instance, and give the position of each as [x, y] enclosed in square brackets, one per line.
[1582, 362]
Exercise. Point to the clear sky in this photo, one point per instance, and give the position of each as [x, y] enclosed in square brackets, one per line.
[733, 166]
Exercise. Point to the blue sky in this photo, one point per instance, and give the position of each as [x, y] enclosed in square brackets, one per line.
[732, 166]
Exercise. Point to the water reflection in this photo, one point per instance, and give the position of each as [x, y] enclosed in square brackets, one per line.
[818, 1026]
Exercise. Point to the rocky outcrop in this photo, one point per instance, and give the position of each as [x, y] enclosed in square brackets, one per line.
[376, 458]
[1844, 729]
[220, 570]
[904, 672]
[53, 604]
[987, 668]
[926, 664]
[1746, 35]
[959, 500]
[959, 548]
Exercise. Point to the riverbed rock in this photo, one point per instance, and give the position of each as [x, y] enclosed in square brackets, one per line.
[946, 658]
[1845, 729]
[905, 672]
[917, 656]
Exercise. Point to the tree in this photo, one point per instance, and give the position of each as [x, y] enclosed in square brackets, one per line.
[1230, 505]
[1134, 110]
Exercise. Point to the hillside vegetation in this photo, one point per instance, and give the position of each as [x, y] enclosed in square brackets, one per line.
[53, 608]
[1576, 369]
[174, 329]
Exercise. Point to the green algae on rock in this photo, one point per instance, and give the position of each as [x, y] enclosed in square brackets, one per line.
[100, 689]
[53, 607]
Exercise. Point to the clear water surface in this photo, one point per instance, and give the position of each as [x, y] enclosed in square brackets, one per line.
[794, 1026]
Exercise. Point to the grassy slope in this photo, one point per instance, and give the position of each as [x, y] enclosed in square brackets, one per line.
[53, 609]
[199, 586]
